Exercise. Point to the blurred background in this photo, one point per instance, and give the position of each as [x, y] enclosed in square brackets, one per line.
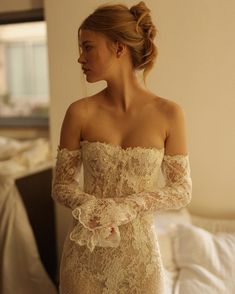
[40, 77]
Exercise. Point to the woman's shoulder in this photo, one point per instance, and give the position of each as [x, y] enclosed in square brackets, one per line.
[168, 107]
[167, 104]
[171, 113]
[84, 103]
[80, 110]
[80, 107]
[79, 104]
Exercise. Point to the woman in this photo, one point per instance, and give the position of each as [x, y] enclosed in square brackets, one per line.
[123, 136]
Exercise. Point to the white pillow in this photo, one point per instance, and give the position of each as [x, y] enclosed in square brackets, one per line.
[206, 261]
[163, 222]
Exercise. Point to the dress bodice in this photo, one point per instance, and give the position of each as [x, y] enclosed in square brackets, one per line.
[119, 185]
[110, 170]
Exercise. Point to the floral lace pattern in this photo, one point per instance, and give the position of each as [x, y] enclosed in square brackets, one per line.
[65, 189]
[112, 242]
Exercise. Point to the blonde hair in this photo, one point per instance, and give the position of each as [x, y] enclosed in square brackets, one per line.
[133, 27]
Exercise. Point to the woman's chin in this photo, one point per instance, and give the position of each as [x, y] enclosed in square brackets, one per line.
[92, 79]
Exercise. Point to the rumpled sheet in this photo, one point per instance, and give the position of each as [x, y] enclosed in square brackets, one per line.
[21, 269]
[18, 156]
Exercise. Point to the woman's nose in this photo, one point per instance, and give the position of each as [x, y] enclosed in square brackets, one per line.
[81, 59]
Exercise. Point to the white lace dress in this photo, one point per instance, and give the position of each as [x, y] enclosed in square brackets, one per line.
[120, 253]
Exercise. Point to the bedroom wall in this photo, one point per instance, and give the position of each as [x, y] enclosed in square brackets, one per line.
[195, 68]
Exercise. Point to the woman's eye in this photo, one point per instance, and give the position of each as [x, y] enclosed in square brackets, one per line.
[88, 48]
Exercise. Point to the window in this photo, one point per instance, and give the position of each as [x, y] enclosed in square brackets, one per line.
[24, 91]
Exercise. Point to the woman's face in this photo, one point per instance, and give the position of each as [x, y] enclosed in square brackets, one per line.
[97, 59]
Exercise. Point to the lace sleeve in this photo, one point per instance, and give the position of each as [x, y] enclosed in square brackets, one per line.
[113, 212]
[65, 188]
[66, 191]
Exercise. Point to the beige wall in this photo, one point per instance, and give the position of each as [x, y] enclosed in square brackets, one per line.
[195, 68]
[66, 81]
[18, 5]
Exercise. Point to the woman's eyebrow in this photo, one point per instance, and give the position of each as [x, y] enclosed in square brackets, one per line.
[85, 42]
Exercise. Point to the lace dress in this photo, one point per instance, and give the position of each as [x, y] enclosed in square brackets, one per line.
[119, 254]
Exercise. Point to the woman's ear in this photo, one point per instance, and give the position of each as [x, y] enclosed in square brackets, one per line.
[120, 49]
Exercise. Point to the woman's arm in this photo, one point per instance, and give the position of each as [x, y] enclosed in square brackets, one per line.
[65, 187]
[73, 123]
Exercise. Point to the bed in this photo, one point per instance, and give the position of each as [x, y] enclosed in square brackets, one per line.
[24, 166]
[198, 253]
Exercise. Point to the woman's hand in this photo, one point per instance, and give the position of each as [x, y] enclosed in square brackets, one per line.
[94, 223]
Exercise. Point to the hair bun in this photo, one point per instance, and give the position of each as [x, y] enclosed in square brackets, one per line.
[141, 14]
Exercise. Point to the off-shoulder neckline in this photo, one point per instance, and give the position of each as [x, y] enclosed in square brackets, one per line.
[130, 148]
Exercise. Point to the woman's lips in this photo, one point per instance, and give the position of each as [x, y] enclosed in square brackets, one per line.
[85, 70]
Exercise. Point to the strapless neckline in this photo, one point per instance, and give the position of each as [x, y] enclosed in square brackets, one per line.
[130, 148]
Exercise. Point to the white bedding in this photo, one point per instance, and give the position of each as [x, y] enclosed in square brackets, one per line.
[21, 269]
[206, 261]
[17, 157]
[198, 253]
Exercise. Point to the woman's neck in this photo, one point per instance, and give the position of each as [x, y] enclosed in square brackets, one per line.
[123, 92]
